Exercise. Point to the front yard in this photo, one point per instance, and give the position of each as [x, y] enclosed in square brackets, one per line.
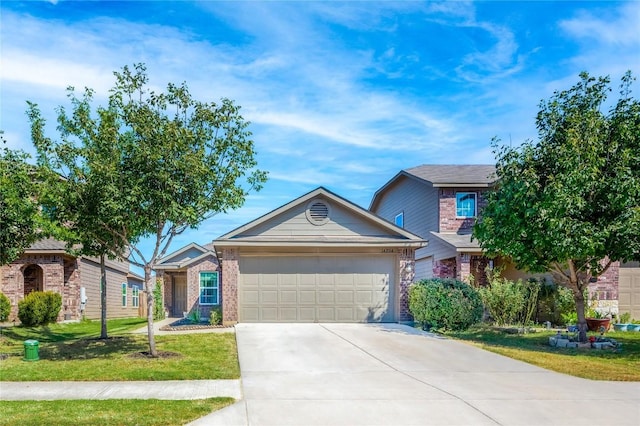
[73, 352]
[533, 348]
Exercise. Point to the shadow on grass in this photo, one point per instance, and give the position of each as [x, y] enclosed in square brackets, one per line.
[92, 348]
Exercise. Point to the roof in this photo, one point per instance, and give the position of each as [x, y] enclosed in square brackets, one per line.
[393, 235]
[47, 245]
[176, 261]
[461, 242]
[444, 176]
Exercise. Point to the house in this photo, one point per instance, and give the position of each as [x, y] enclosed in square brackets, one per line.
[318, 258]
[441, 203]
[46, 266]
[191, 280]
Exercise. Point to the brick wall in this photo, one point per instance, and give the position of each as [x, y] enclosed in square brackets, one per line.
[230, 286]
[209, 264]
[603, 294]
[445, 268]
[447, 211]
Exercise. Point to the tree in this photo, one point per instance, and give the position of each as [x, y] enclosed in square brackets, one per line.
[21, 223]
[174, 162]
[569, 204]
[82, 182]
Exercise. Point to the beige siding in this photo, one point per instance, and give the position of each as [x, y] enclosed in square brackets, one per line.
[294, 223]
[629, 291]
[418, 202]
[90, 278]
[192, 253]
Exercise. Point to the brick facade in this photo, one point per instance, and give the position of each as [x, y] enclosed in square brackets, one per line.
[230, 286]
[43, 272]
[447, 211]
[603, 293]
[445, 268]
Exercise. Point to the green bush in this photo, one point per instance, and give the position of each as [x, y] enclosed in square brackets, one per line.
[556, 305]
[445, 304]
[158, 303]
[39, 308]
[5, 307]
[510, 302]
[215, 316]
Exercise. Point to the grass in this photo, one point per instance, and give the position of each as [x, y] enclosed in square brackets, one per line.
[73, 352]
[142, 412]
[533, 348]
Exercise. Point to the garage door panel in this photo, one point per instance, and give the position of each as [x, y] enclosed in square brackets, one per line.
[316, 289]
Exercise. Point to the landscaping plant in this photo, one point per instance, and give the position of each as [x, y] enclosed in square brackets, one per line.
[5, 307]
[39, 308]
[444, 304]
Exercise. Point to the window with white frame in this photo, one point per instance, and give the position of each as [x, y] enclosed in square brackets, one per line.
[135, 296]
[124, 294]
[466, 204]
[209, 288]
[399, 220]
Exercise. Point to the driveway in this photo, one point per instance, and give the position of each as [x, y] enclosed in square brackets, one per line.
[389, 374]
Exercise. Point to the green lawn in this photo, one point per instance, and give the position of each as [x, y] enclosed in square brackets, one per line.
[141, 412]
[73, 352]
[619, 365]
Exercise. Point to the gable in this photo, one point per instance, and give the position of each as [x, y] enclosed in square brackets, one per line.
[184, 256]
[319, 217]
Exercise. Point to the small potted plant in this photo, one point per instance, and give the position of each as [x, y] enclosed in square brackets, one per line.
[596, 321]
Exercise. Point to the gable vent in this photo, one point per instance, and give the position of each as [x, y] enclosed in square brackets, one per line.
[318, 212]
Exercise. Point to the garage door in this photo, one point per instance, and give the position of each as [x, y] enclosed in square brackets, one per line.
[316, 289]
[629, 291]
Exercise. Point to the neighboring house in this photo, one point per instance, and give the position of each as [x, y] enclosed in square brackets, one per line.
[319, 258]
[46, 266]
[441, 203]
[191, 280]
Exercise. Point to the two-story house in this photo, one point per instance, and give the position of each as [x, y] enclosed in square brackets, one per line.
[439, 203]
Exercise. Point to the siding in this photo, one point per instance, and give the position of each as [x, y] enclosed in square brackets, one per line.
[342, 222]
[424, 269]
[90, 278]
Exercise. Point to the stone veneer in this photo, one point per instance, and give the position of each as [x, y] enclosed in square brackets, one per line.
[55, 272]
[230, 286]
[406, 258]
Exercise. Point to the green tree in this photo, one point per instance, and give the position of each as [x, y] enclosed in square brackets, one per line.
[173, 162]
[569, 203]
[82, 182]
[21, 223]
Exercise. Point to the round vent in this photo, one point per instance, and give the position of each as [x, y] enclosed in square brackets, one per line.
[318, 212]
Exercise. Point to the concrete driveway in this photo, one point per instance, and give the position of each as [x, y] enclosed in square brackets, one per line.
[389, 374]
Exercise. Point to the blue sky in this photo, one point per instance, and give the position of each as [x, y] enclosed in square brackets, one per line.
[340, 94]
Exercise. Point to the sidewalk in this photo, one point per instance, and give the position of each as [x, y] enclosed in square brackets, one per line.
[168, 390]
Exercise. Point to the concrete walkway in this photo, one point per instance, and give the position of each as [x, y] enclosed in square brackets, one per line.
[389, 374]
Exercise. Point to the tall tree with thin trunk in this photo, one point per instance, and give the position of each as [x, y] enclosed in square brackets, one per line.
[174, 162]
[569, 204]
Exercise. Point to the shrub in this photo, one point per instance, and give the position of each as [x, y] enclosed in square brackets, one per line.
[215, 317]
[503, 299]
[39, 308]
[5, 307]
[556, 305]
[445, 304]
[158, 303]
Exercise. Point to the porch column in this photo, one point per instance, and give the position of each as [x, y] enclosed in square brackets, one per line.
[463, 267]
[230, 275]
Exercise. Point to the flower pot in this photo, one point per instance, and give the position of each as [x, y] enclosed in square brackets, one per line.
[633, 327]
[620, 327]
[598, 324]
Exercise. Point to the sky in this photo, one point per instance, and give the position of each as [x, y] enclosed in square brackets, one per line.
[339, 94]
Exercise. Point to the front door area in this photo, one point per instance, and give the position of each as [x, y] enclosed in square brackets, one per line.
[179, 295]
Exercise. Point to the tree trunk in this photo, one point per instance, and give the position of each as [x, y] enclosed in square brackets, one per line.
[578, 297]
[103, 298]
[150, 304]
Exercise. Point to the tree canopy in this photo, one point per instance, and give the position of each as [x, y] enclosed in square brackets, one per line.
[160, 162]
[569, 203]
[21, 223]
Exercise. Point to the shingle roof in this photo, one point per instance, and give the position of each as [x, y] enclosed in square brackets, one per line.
[461, 242]
[47, 244]
[457, 174]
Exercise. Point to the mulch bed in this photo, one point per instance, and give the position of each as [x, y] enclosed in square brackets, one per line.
[184, 324]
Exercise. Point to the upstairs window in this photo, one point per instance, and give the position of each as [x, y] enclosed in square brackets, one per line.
[209, 288]
[399, 220]
[466, 204]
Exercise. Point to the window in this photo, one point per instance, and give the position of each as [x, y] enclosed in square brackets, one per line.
[466, 204]
[124, 294]
[399, 220]
[135, 296]
[209, 289]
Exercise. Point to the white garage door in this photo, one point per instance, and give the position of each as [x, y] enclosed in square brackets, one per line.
[629, 291]
[316, 289]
